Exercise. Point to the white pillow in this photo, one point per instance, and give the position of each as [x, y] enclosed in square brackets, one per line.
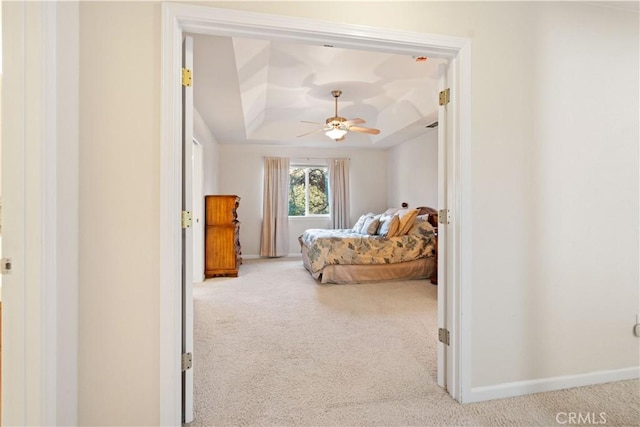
[370, 225]
[358, 225]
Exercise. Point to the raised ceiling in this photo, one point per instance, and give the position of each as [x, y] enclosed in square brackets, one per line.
[258, 92]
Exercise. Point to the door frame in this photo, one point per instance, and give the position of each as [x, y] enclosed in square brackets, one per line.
[180, 18]
[186, 192]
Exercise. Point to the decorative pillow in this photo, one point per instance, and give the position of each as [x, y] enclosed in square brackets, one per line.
[389, 226]
[421, 226]
[383, 217]
[407, 217]
[370, 225]
[358, 226]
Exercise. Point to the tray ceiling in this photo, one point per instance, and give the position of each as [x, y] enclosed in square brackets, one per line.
[258, 92]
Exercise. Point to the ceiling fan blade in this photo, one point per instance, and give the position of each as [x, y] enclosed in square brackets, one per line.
[364, 130]
[315, 123]
[356, 121]
[340, 124]
[313, 131]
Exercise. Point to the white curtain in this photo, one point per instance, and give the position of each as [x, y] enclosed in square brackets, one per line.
[339, 193]
[274, 239]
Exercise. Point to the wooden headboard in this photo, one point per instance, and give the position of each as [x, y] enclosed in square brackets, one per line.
[433, 214]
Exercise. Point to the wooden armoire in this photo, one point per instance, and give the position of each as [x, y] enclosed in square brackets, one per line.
[222, 254]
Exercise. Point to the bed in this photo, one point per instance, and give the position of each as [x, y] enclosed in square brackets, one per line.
[355, 256]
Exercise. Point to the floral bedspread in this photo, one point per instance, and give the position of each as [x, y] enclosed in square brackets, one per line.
[327, 247]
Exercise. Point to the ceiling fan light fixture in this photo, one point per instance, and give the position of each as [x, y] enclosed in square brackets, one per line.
[337, 127]
[335, 133]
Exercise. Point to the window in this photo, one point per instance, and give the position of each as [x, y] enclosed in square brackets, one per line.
[308, 191]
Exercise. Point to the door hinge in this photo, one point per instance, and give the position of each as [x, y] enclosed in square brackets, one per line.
[187, 361]
[186, 219]
[444, 216]
[186, 77]
[444, 96]
[6, 266]
[443, 335]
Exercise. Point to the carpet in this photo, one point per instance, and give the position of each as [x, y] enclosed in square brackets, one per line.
[275, 348]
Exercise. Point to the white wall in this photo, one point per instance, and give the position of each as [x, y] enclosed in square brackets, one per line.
[211, 153]
[241, 173]
[413, 172]
[555, 189]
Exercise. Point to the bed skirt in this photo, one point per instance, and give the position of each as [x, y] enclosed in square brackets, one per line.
[417, 269]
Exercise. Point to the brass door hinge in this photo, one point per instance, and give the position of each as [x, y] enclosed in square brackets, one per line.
[187, 361]
[444, 216]
[186, 219]
[186, 77]
[443, 336]
[445, 96]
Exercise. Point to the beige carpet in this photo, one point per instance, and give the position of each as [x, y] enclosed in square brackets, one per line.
[273, 347]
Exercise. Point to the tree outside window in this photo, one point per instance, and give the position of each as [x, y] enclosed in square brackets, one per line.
[308, 191]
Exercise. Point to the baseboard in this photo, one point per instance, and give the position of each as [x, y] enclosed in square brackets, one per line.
[520, 388]
[294, 255]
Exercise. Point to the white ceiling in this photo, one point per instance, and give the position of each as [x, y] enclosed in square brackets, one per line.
[259, 92]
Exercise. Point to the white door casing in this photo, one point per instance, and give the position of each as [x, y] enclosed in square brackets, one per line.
[443, 362]
[179, 18]
[38, 78]
[187, 231]
[14, 145]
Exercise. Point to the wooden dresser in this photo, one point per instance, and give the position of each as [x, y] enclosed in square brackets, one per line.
[222, 254]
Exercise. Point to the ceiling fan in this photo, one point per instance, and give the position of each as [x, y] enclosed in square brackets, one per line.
[336, 127]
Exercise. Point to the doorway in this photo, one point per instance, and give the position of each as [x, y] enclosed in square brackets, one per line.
[203, 20]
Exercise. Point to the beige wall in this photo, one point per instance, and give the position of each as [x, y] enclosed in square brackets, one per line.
[119, 218]
[554, 189]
